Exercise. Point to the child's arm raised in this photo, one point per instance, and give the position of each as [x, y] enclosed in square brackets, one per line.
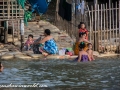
[85, 40]
[41, 41]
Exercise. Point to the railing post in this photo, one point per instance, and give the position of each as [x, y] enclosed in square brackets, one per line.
[22, 32]
[95, 25]
[6, 32]
[56, 12]
[76, 32]
[119, 27]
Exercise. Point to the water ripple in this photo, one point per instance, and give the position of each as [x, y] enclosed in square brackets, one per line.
[103, 73]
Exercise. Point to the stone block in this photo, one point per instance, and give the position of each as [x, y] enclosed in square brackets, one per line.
[53, 57]
[95, 53]
[73, 57]
[23, 57]
[35, 55]
[18, 43]
[11, 39]
[4, 50]
[7, 57]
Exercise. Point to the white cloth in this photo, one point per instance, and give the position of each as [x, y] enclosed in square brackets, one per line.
[22, 27]
[82, 7]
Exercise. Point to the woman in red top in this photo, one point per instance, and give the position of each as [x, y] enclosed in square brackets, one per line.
[83, 29]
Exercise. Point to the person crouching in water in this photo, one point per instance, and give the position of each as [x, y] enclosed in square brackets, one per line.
[1, 67]
[83, 55]
[90, 51]
[29, 43]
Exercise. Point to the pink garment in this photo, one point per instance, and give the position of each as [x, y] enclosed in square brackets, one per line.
[29, 42]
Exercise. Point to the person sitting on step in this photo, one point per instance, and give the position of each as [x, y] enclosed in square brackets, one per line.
[82, 38]
[29, 43]
[47, 45]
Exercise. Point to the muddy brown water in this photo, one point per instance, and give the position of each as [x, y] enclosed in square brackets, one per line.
[101, 74]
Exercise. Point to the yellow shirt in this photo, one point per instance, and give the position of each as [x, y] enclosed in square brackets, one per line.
[76, 49]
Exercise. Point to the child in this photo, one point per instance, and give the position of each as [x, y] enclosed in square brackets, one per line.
[90, 51]
[82, 29]
[29, 43]
[1, 67]
[83, 56]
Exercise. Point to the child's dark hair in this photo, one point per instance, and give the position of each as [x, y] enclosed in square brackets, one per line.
[47, 31]
[89, 44]
[79, 26]
[82, 45]
[30, 35]
[82, 23]
[81, 34]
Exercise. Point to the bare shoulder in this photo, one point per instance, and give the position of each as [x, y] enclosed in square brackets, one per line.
[84, 52]
[90, 50]
[49, 37]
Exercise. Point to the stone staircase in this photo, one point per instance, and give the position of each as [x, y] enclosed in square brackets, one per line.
[37, 28]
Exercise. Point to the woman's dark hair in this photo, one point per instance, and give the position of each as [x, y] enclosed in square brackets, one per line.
[82, 45]
[81, 34]
[47, 31]
[30, 35]
[79, 26]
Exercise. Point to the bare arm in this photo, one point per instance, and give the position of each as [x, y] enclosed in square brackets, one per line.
[25, 43]
[89, 58]
[79, 59]
[41, 41]
[93, 56]
[86, 41]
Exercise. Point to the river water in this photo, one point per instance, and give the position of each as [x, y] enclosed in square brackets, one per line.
[101, 74]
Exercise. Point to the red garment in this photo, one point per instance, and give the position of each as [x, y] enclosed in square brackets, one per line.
[84, 30]
[29, 42]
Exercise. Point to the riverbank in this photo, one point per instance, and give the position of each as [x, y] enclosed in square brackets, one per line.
[63, 40]
[29, 55]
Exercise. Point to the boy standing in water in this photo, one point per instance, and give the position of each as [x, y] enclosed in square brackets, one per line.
[1, 67]
[90, 51]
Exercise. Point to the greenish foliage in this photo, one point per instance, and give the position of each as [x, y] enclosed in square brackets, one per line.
[27, 16]
[22, 3]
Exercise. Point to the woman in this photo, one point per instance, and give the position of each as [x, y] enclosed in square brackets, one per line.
[49, 46]
[82, 38]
